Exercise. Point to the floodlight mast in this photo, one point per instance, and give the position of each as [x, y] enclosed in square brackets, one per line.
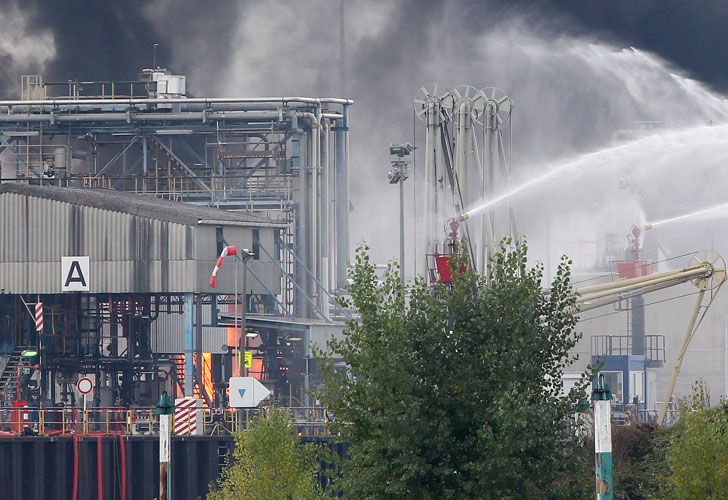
[399, 174]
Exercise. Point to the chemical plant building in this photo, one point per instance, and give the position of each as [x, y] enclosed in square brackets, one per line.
[116, 200]
[120, 278]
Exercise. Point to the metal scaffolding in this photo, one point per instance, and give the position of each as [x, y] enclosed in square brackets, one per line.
[283, 157]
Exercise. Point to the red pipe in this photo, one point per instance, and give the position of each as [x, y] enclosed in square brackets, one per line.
[123, 467]
[75, 467]
[99, 477]
[99, 435]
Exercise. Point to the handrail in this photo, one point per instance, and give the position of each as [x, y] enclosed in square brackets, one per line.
[109, 421]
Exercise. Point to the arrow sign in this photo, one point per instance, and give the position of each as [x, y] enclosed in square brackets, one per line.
[246, 392]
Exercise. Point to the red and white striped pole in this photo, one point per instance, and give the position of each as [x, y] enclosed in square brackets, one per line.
[38, 316]
[228, 250]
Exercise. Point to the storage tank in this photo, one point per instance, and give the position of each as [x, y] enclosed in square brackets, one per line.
[60, 162]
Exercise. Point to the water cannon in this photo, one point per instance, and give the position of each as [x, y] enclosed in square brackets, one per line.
[647, 227]
[463, 217]
[633, 240]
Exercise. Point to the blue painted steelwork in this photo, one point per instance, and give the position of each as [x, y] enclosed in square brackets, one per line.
[626, 365]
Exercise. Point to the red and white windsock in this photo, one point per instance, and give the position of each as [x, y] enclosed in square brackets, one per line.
[228, 250]
[38, 316]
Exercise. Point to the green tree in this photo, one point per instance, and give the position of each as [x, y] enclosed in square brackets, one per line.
[456, 391]
[698, 451]
[269, 462]
[640, 462]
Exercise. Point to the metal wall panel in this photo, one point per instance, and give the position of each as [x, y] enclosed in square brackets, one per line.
[242, 237]
[320, 334]
[129, 253]
[167, 334]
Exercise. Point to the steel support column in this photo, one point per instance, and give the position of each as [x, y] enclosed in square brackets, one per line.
[189, 322]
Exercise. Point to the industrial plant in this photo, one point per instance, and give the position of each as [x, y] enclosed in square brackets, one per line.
[176, 254]
[118, 199]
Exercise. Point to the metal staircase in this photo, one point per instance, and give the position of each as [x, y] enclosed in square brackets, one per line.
[179, 370]
[8, 376]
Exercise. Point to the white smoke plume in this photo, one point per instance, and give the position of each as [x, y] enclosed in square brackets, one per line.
[23, 50]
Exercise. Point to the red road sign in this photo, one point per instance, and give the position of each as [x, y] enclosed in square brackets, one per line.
[84, 385]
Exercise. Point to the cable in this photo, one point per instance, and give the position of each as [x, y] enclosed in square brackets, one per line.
[594, 278]
[647, 304]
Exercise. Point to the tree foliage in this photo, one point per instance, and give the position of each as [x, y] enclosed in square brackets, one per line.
[640, 462]
[269, 462]
[456, 392]
[698, 450]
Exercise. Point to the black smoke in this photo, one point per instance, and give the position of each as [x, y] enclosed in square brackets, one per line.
[96, 40]
[114, 40]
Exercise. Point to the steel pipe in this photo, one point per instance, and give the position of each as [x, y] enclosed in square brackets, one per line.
[639, 279]
[341, 166]
[142, 117]
[701, 271]
[181, 100]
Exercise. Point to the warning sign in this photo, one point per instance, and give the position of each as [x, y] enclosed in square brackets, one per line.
[75, 274]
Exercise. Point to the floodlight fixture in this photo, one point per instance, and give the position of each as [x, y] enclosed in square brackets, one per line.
[246, 255]
[400, 150]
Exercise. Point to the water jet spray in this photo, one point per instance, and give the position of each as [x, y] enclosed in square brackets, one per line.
[689, 215]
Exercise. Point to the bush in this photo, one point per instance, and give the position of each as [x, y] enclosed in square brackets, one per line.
[269, 462]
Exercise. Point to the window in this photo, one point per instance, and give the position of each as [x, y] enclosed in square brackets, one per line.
[256, 244]
[637, 387]
[219, 240]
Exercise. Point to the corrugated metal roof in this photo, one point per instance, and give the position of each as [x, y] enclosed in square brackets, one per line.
[134, 204]
[134, 248]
